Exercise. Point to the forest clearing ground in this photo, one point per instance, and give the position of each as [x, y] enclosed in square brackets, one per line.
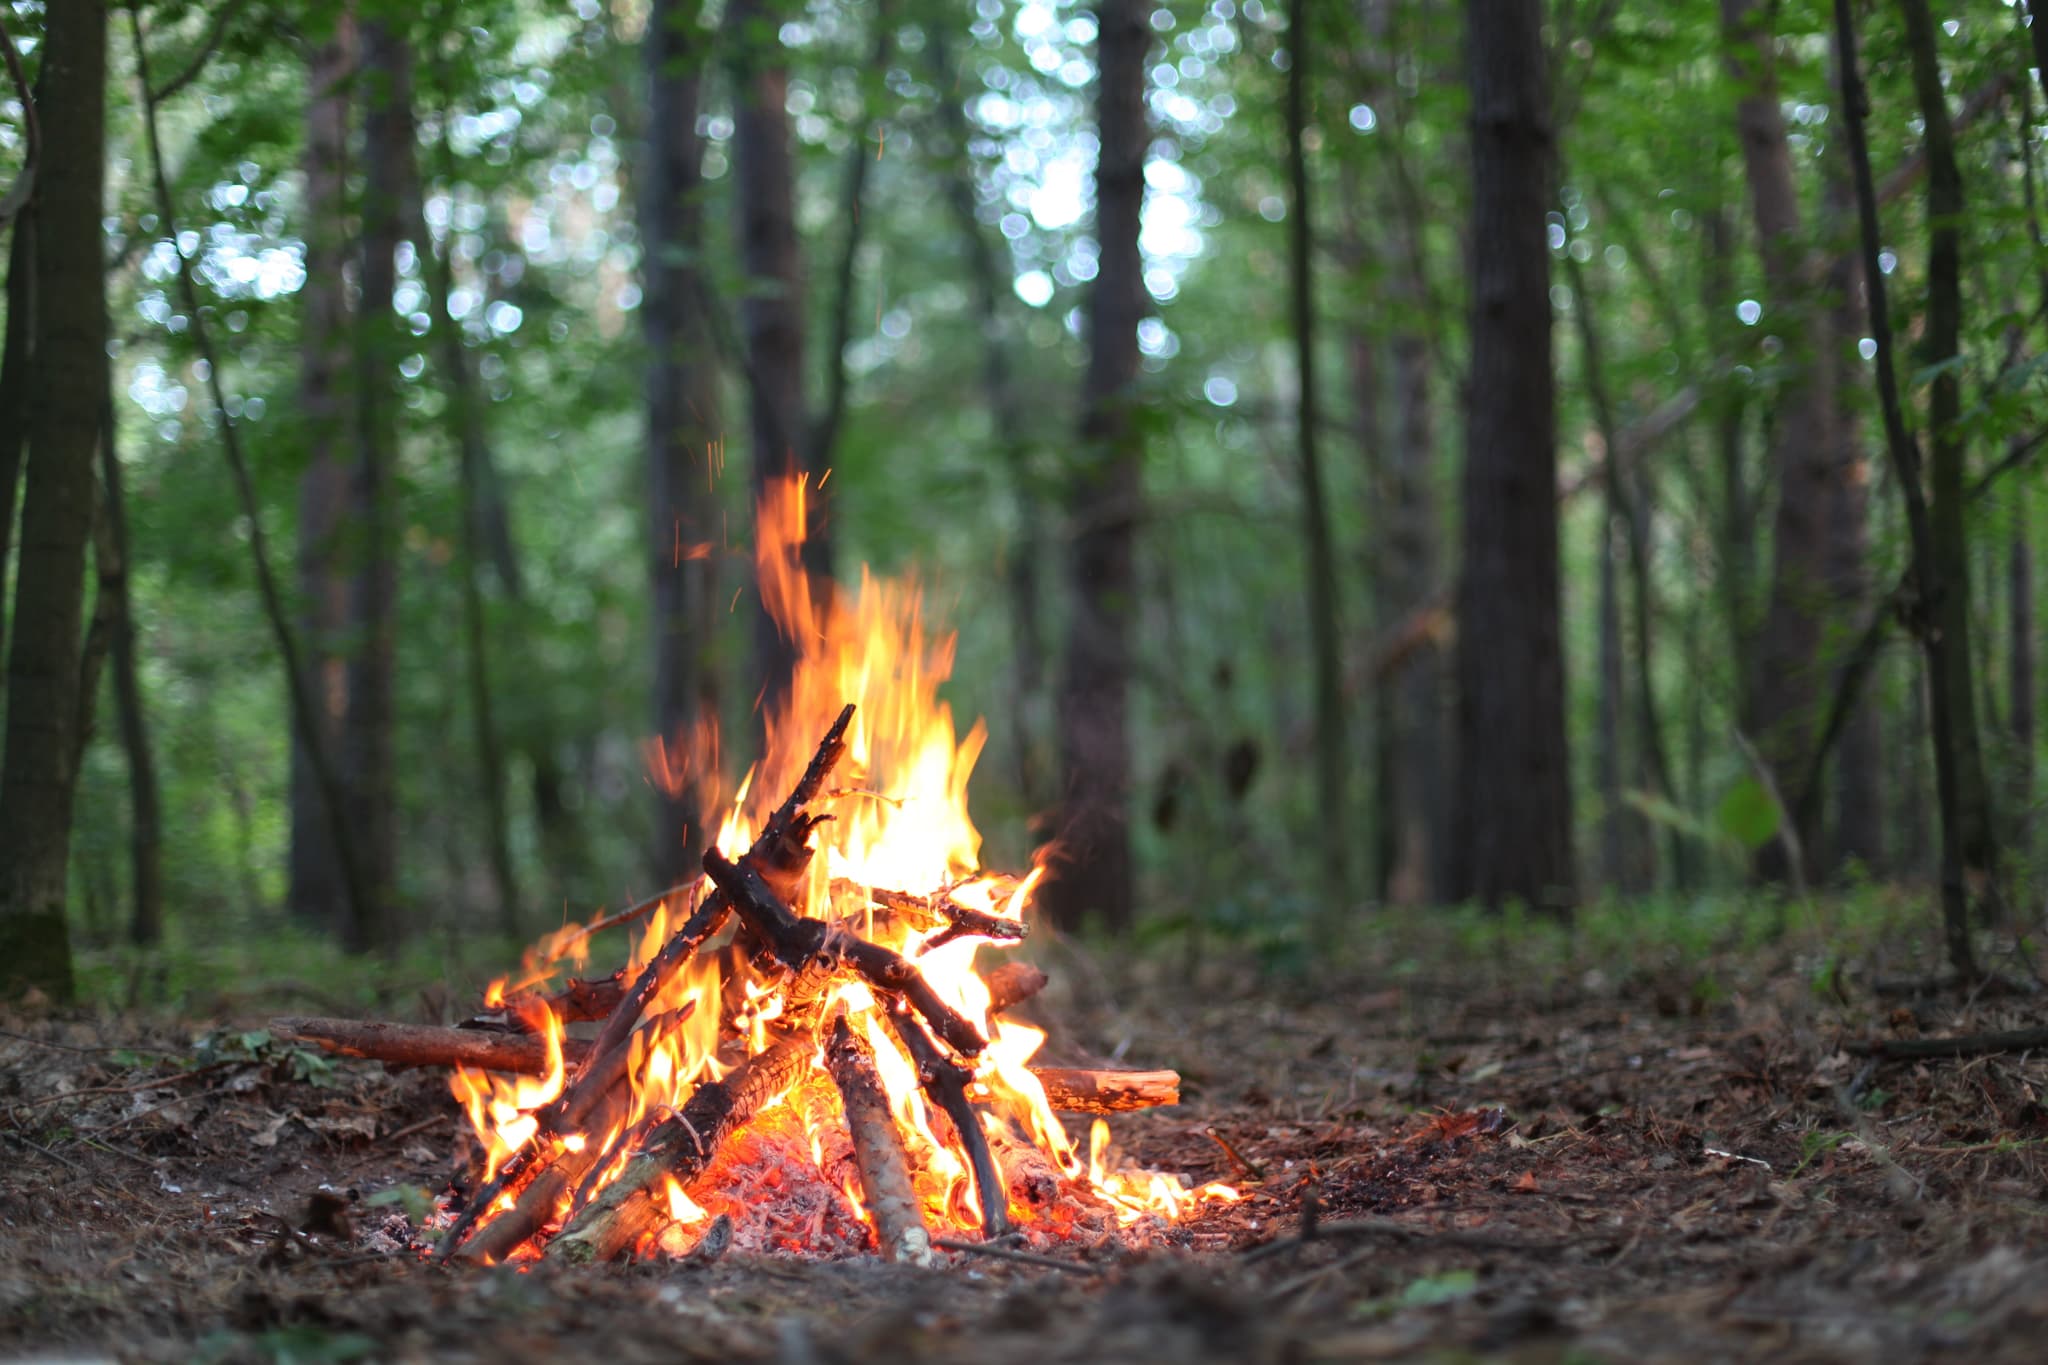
[1695, 1170]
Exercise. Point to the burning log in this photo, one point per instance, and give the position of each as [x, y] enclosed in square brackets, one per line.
[928, 912]
[680, 1146]
[1012, 984]
[542, 1199]
[1074, 1090]
[877, 1151]
[1027, 1172]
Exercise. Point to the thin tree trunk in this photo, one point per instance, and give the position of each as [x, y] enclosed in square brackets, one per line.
[38, 777]
[386, 86]
[1942, 340]
[315, 880]
[1333, 757]
[1859, 764]
[1513, 812]
[2021, 628]
[772, 311]
[1103, 501]
[853, 213]
[683, 428]
[1942, 708]
[485, 538]
[145, 830]
[1607, 758]
[1737, 576]
[1787, 679]
[298, 689]
[1009, 424]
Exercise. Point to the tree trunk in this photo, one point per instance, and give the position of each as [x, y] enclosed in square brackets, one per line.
[683, 426]
[1009, 423]
[772, 309]
[1942, 706]
[1787, 679]
[1333, 757]
[1736, 578]
[2021, 628]
[145, 809]
[1096, 877]
[40, 770]
[15, 360]
[1859, 760]
[386, 85]
[1607, 758]
[315, 875]
[1513, 796]
[1942, 340]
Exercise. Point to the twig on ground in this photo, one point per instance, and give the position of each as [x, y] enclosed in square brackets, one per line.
[1962, 1045]
[35, 1146]
[967, 1248]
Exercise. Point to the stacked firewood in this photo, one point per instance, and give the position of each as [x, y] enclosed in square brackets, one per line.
[547, 1174]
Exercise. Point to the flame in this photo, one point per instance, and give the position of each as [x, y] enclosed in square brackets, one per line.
[899, 821]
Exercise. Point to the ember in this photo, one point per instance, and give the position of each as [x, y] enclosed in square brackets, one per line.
[801, 1039]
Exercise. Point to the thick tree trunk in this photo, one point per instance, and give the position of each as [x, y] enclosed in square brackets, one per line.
[772, 310]
[1787, 681]
[1333, 757]
[1513, 796]
[1942, 340]
[1096, 877]
[14, 385]
[683, 426]
[386, 87]
[39, 774]
[315, 886]
[1859, 759]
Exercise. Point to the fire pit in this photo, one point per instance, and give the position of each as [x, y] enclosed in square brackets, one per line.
[803, 1052]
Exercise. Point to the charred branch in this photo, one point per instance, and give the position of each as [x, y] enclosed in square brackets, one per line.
[798, 943]
[945, 1083]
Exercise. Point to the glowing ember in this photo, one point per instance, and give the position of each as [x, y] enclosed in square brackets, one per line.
[895, 867]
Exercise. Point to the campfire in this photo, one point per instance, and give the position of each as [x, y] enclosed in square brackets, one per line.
[805, 1051]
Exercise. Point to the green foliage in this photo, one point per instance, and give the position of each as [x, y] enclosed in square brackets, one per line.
[1748, 814]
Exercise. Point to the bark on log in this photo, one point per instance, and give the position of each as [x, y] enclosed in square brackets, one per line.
[878, 1153]
[1072, 1090]
[1028, 1173]
[633, 1205]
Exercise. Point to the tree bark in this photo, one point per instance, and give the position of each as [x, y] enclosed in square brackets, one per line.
[684, 429]
[15, 362]
[39, 775]
[2022, 624]
[772, 310]
[1905, 455]
[1787, 679]
[1103, 498]
[1333, 757]
[315, 880]
[388, 172]
[1513, 796]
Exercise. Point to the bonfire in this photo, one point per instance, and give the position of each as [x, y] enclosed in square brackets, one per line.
[806, 1050]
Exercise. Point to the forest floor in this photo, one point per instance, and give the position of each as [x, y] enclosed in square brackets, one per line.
[1689, 1167]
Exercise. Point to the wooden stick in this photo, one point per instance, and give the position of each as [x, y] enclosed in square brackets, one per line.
[504, 1232]
[797, 942]
[1963, 1045]
[878, 1151]
[945, 1082]
[681, 1146]
[1072, 1090]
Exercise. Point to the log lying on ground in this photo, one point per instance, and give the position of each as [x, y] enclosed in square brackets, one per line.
[1962, 1045]
[878, 1153]
[1072, 1090]
[681, 1146]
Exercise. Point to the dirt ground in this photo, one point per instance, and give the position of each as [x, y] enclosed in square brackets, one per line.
[1686, 1165]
